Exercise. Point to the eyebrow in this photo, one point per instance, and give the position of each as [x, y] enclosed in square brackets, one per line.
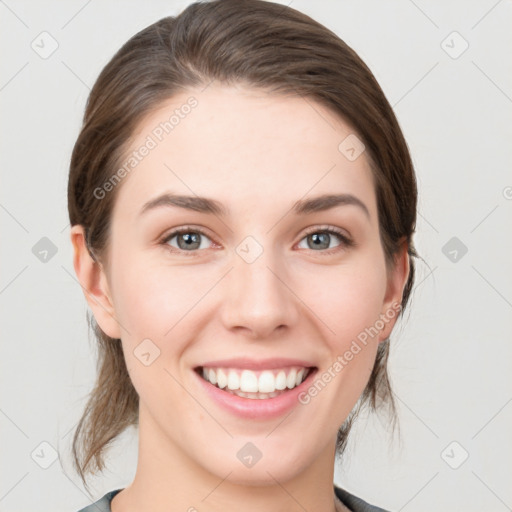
[211, 206]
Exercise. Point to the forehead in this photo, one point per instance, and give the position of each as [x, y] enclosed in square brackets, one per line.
[245, 147]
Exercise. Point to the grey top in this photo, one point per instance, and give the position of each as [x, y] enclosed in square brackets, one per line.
[354, 503]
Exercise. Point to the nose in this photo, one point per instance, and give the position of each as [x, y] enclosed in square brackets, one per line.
[258, 299]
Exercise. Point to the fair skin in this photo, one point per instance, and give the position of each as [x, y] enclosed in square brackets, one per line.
[257, 154]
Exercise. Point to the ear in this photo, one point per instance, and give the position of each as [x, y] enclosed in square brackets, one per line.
[93, 281]
[397, 279]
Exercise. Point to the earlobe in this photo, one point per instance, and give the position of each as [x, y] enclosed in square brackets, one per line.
[93, 281]
[397, 279]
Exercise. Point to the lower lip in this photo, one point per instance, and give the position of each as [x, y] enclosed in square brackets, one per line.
[251, 408]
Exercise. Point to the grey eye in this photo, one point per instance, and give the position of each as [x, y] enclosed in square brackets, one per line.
[320, 240]
[187, 240]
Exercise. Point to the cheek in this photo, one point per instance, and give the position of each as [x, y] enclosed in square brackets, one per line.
[348, 299]
[157, 300]
[349, 307]
[160, 303]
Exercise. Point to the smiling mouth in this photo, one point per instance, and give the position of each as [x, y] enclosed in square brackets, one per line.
[261, 384]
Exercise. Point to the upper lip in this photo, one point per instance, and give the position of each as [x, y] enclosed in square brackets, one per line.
[254, 364]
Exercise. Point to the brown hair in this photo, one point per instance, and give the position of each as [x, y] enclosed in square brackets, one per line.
[264, 45]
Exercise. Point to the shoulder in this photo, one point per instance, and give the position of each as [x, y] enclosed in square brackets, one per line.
[103, 504]
[354, 503]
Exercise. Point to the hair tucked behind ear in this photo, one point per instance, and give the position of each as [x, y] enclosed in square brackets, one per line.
[256, 43]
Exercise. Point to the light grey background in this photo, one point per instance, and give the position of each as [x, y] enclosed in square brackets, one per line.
[452, 357]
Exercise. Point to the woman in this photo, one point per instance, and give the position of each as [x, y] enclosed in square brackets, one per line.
[242, 204]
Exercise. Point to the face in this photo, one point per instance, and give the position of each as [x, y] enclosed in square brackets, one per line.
[260, 284]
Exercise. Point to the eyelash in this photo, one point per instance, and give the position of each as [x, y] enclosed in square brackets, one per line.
[345, 240]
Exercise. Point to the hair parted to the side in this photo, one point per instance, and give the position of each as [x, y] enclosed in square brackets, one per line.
[263, 45]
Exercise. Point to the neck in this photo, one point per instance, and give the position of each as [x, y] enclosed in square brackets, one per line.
[168, 479]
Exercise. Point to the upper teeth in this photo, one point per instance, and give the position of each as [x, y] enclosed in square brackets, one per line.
[266, 381]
